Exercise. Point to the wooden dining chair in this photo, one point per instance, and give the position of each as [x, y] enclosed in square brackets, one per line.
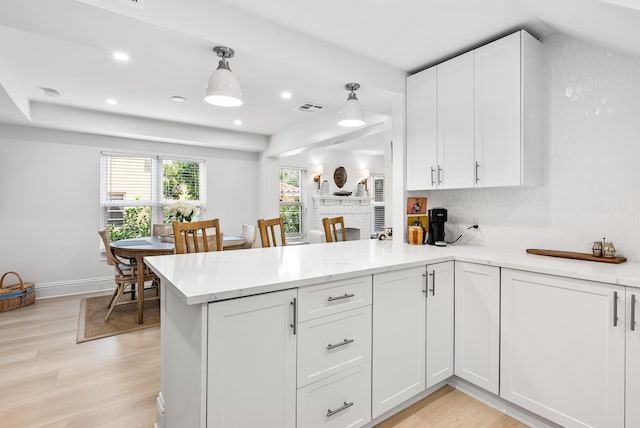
[192, 237]
[126, 277]
[267, 229]
[250, 233]
[330, 232]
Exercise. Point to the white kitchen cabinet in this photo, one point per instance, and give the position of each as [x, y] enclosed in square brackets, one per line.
[455, 122]
[563, 348]
[398, 356]
[632, 395]
[508, 126]
[339, 401]
[477, 324]
[252, 362]
[440, 322]
[482, 126]
[422, 130]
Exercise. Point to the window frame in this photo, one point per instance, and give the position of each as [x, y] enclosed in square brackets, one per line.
[295, 237]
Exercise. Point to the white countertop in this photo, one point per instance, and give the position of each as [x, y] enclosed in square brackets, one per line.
[207, 277]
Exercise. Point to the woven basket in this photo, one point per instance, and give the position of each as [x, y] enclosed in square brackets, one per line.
[17, 295]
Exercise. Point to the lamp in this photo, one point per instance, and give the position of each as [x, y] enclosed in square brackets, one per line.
[364, 174]
[223, 88]
[351, 114]
[318, 170]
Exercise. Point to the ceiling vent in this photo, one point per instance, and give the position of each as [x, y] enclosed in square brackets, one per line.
[309, 108]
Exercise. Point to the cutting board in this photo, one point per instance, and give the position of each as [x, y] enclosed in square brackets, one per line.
[576, 256]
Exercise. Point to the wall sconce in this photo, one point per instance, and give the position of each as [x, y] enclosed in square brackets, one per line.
[318, 170]
[364, 179]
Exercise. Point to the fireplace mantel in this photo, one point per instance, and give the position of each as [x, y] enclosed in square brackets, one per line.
[356, 211]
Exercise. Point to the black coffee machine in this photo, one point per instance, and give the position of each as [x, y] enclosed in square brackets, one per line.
[437, 219]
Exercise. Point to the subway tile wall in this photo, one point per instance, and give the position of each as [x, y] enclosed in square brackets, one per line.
[591, 162]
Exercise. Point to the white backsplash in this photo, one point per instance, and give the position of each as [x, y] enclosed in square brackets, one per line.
[591, 162]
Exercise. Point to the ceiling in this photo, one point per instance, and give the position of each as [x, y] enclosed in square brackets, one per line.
[310, 49]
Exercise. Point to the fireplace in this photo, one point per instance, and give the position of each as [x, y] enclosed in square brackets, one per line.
[356, 212]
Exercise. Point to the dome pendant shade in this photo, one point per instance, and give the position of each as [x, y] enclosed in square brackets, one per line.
[351, 114]
[223, 88]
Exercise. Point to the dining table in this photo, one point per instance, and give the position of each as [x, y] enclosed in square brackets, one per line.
[139, 248]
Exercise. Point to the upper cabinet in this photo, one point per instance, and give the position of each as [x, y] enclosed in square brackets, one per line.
[475, 120]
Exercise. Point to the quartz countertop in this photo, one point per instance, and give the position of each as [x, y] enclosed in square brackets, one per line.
[207, 277]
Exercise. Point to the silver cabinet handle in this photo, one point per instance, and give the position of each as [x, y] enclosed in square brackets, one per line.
[615, 308]
[633, 312]
[294, 303]
[426, 284]
[345, 296]
[339, 409]
[439, 175]
[337, 345]
[433, 182]
[433, 282]
[477, 176]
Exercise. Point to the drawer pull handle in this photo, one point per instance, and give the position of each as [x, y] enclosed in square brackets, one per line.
[345, 296]
[339, 409]
[337, 345]
[294, 303]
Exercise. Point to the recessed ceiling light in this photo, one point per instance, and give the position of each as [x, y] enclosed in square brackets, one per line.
[178, 99]
[121, 56]
[112, 101]
[50, 92]
[237, 122]
[285, 95]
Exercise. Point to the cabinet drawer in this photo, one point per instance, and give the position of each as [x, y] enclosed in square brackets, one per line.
[332, 344]
[333, 297]
[341, 401]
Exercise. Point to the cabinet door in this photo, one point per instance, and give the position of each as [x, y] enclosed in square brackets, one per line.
[398, 337]
[251, 376]
[477, 324]
[497, 112]
[563, 345]
[422, 136]
[440, 296]
[455, 122]
[633, 359]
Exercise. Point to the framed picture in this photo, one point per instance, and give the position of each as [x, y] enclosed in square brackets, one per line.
[416, 206]
[419, 220]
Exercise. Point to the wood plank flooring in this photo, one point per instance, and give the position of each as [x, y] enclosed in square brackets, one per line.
[47, 380]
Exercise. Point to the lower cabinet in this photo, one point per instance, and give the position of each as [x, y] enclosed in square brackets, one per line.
[342, 400]
[251, 376]
[412, 333]
[440, 303]
[563, 349]
[399, 337]
[477, 324]
[633, 359]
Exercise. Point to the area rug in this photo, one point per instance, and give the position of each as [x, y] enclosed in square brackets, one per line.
[91, 324]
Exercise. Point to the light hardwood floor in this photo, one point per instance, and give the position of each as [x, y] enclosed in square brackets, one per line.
[47, 380]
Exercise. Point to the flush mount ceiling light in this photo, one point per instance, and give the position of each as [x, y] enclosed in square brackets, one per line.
[351, 114]
[121, 56]
[223, 88]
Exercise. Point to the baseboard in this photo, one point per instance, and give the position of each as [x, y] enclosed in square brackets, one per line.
[516, 412]
[47, 290]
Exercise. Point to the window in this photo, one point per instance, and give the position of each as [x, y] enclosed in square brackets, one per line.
[377, 218]
[138, 190]
[292, 202]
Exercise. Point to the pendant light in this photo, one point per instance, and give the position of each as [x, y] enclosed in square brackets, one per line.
[351, 114]
[223, 88]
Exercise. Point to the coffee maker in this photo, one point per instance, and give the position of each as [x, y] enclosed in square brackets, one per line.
[437, 219]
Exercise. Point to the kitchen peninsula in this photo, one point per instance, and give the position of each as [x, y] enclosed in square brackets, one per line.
[310, 335]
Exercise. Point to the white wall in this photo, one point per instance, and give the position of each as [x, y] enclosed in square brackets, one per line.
[50, 202]
[330, 160]
[591, 162]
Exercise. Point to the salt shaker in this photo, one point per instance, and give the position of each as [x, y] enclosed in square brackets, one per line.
[597, 248]
[608, 249]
